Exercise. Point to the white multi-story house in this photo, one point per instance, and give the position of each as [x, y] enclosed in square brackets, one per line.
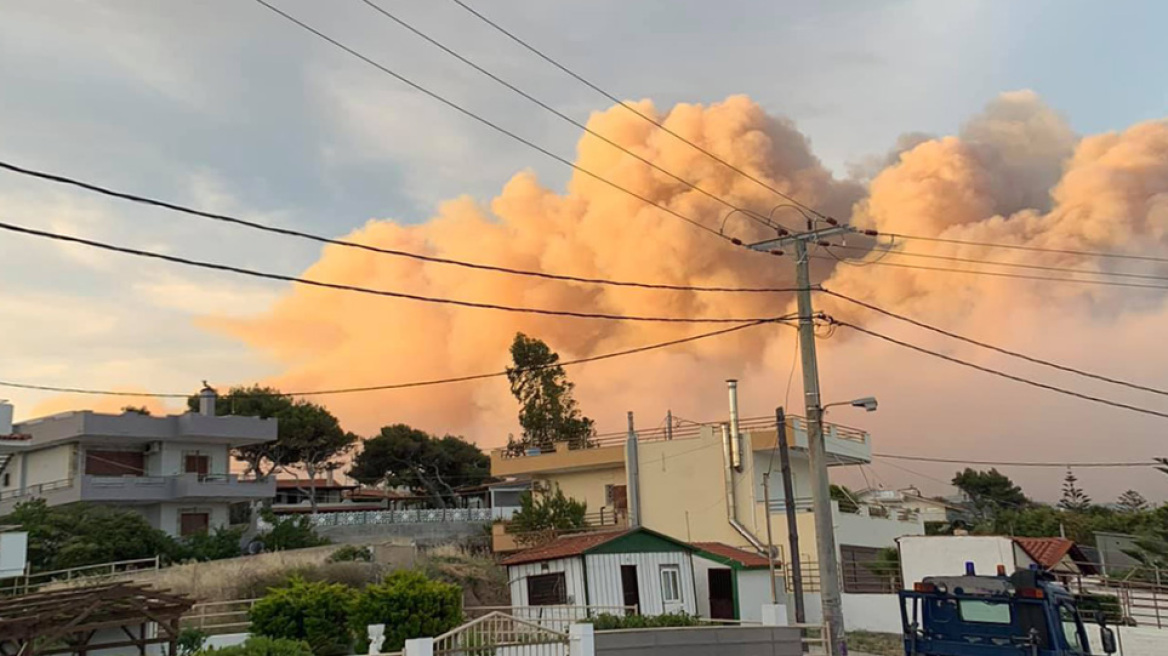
[174, 470]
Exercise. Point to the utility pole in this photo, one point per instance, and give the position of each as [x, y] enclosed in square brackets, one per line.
[766, 494]
[794, 566]
[820, 484]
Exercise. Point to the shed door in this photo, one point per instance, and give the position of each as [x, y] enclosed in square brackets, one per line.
[721, 594]
[632, 592]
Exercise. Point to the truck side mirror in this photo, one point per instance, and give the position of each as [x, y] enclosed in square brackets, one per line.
[1107, 637]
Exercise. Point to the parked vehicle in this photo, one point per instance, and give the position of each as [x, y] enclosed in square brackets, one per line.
[1025, 614]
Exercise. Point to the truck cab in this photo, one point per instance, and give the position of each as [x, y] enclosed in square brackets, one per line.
[1026, 613]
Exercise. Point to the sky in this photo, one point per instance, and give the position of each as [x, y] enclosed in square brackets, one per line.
[227, 107]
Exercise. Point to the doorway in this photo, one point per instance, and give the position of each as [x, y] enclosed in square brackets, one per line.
[632, 591]
[721, 583]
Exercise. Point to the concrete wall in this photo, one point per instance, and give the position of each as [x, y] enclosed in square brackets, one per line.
[700, 641]
[573, 569]
[171, 460]
[604, 580]
[48, 465]
[701, 574]
[1133, 640]
[872, 612]
[754, 591]
[861, 531]
[588, 486]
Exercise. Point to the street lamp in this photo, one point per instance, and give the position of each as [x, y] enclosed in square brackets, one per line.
[868, 403]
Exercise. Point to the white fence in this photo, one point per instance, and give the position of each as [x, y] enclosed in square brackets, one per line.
[417, 516]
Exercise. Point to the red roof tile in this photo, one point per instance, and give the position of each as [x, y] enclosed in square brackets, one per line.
[740, 556]
[567, 546]
[1047, 552]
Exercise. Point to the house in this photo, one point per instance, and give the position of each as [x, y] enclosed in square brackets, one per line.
[910, 501]
[174, 470]
[948, 555]
[299, 492]
[698, 484]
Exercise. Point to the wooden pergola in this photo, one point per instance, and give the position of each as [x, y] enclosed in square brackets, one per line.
[81, 620]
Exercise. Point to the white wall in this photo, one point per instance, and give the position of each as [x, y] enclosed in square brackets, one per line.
[49, 465]
[13, 553]
[13, 471]
[860, 531]
[166, 515]
[604, 579]
[1133, 640]
[701, 568]
[171, 461]
[573, 569]
[754, 590]
[946, 555]
[872, 612]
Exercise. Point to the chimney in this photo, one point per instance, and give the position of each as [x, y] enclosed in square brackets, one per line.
[5, 418]
[633, 473]
[207, 398]
[735, 432]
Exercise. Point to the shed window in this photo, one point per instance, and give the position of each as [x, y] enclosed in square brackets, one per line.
[547, 590]
[670, 584]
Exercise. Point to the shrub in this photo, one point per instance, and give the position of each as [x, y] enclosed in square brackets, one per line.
[317, 613]
[223, 542]
[291, 532]
[610, 622]
[190, 641]
[261, 646]
[410, 606]
[350, 553]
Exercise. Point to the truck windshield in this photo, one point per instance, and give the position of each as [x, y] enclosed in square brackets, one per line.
[1070, 621]
[985, 612]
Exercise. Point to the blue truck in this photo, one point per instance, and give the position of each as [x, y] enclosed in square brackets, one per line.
[1027, 613]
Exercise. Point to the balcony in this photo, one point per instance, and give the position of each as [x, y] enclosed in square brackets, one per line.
[183, 487]
[845, 446]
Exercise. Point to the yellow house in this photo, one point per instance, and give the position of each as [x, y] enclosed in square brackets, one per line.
[700, 484]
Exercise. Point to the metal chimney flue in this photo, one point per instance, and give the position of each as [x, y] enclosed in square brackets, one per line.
[735, 432]
[207, 398]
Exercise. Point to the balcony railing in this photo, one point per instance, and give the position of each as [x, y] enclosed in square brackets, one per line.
[37, 489]
[415, 516]
[691, 430]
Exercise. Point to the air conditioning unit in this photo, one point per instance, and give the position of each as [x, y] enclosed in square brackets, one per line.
[153, 448]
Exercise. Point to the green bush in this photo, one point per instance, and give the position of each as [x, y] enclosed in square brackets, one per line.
[410, 606]
[291, 532]
[610, 622]
[317, 613]
[190, 641]
[260, 646]
[351, 553]
[223, 542]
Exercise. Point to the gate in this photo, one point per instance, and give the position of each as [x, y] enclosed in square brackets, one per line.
[499, 634]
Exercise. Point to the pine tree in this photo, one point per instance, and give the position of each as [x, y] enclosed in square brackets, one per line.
[1074, 498]
[1132, 502]
[547, 412]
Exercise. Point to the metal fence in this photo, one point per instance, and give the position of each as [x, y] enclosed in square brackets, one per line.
[32, 582]
[415, 516]
[215, 617]
[556, 618]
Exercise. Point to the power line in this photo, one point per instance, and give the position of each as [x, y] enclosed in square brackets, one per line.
[363, 290]
[227, 218]
[994, 463]
[1032, 249]
[422, 383]
[487, 122]
[1017, 265]
[1001, 374]
[996, 274]
[998, 349]
[554, 111]
[634, 110]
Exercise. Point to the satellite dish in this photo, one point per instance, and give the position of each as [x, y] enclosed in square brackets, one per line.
[255, 547]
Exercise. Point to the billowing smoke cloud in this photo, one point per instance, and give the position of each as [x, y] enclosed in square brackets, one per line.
[1014, 174]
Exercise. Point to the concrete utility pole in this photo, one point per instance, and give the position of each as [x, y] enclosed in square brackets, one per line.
[820, 484]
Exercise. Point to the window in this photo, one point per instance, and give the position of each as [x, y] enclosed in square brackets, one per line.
[547, 590]
[190, 523]
[985, 612]
[7, 479]
[868, 570]
[670, 584]
[115, 463]
[196, 463]
[1070, 622]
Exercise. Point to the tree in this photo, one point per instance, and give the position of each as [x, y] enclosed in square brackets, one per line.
[547, 412]
[845, 498]
[410, 606]
[315, 612]
[1074, 498]
[541, 518]
[137, 410]
[1132, 502]
[405, 456]
[308, 435]
[989, 491]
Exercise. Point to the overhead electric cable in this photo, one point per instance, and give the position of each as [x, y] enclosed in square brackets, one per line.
[1032, 249]
[636, 111]
[487, 122]
[363, 290]
[1000, 463]
[422, 383]
[227, 218]
[420, 34]
[1001, 374]
[998, 349]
